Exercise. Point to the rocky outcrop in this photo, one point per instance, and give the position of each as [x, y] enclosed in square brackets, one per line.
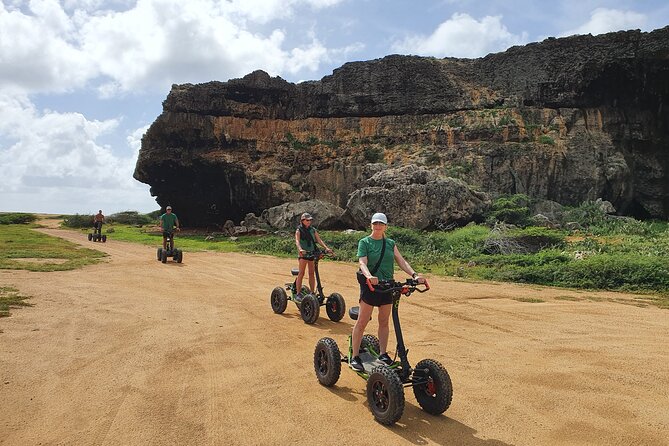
[287, 215]
[415, 197]
[565, 120]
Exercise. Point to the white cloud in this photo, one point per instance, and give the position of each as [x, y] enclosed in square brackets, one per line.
[604, 20]
[150, 45]
[55, 159]
[462, 36]
[36, 53]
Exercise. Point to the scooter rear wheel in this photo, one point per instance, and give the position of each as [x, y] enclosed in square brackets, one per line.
[278, 300]
[335, 306]
[369, 341]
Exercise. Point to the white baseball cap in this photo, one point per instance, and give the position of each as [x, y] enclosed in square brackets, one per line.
[381, 217]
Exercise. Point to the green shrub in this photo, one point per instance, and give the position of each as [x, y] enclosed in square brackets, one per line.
[131, 218]
[512, 209]
[461, 243]
[616, 272]
[373, 154]
[16, 218]
[536, 238]
[545, 139]
[78, 221]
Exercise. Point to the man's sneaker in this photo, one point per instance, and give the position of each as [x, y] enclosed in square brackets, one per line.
[387, 360]
[299, 297]
[356, 364]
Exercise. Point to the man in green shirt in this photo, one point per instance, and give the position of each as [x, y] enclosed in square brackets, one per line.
[167, 222]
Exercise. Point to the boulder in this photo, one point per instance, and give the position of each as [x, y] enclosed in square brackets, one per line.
[415, 197]
[287, 216]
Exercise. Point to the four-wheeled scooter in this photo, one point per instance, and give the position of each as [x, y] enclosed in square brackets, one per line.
[176, 254]
[309, 304]
[97, 235]
[431, 383]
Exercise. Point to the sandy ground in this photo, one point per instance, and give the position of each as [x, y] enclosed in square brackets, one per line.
[135, 352]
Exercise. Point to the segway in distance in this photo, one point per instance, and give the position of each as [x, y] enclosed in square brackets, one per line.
[429, 379]
[173, 252]
[97, 235]
[310, 303]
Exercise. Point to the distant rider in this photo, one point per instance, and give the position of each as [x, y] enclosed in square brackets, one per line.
[167, 222]
[98, 219]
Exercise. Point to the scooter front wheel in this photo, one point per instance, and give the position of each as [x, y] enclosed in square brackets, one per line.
[310, 309]
[435, 392]
[327, 361]
[385, 395]
[278, 300]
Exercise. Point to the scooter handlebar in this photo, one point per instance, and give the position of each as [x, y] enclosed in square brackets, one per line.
[317, 254]
[406, 288]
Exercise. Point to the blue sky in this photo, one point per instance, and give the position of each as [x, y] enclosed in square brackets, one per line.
[81, 80]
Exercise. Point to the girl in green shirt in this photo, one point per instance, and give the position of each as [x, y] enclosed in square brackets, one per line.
[369, 253]
[306, 238]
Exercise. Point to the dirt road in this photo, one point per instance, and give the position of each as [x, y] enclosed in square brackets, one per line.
[135, 352]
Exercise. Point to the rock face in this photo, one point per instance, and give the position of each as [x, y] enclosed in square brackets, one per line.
[565, 120]
[415, 197]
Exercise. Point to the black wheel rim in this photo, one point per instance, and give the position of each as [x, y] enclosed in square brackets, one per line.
[322, 363]
[275, 301]
[380, 396]
[334, 306]
[307, 309]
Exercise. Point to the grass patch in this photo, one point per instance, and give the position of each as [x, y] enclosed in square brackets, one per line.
[570, 298]
[186, 240]
[10, 298]
[531, 300]
[23, 248]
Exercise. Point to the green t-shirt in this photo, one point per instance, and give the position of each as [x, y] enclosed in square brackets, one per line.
[305, 243]
[168, 221]
[370, 248]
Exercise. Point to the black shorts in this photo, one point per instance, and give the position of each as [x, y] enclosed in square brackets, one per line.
[167, 234]
[374, 298]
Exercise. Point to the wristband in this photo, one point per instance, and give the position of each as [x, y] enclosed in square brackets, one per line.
[413, 276]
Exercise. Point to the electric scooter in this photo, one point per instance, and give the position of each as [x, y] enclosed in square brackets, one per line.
[171, 251]
[309, 304]
[97, 235]
[429, 379]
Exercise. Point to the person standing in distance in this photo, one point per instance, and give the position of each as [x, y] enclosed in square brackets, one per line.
[306, 237]
[376, 268]
[167, 222]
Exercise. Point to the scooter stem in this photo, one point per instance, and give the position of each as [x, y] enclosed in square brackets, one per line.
[401, 349]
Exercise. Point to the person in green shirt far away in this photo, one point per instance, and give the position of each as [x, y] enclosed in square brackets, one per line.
[369, 253]
[167, 222]
[306, 237]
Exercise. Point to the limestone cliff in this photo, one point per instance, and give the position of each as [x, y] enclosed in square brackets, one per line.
[566, 119]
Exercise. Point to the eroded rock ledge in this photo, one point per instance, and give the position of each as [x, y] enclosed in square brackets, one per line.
[565, 120]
